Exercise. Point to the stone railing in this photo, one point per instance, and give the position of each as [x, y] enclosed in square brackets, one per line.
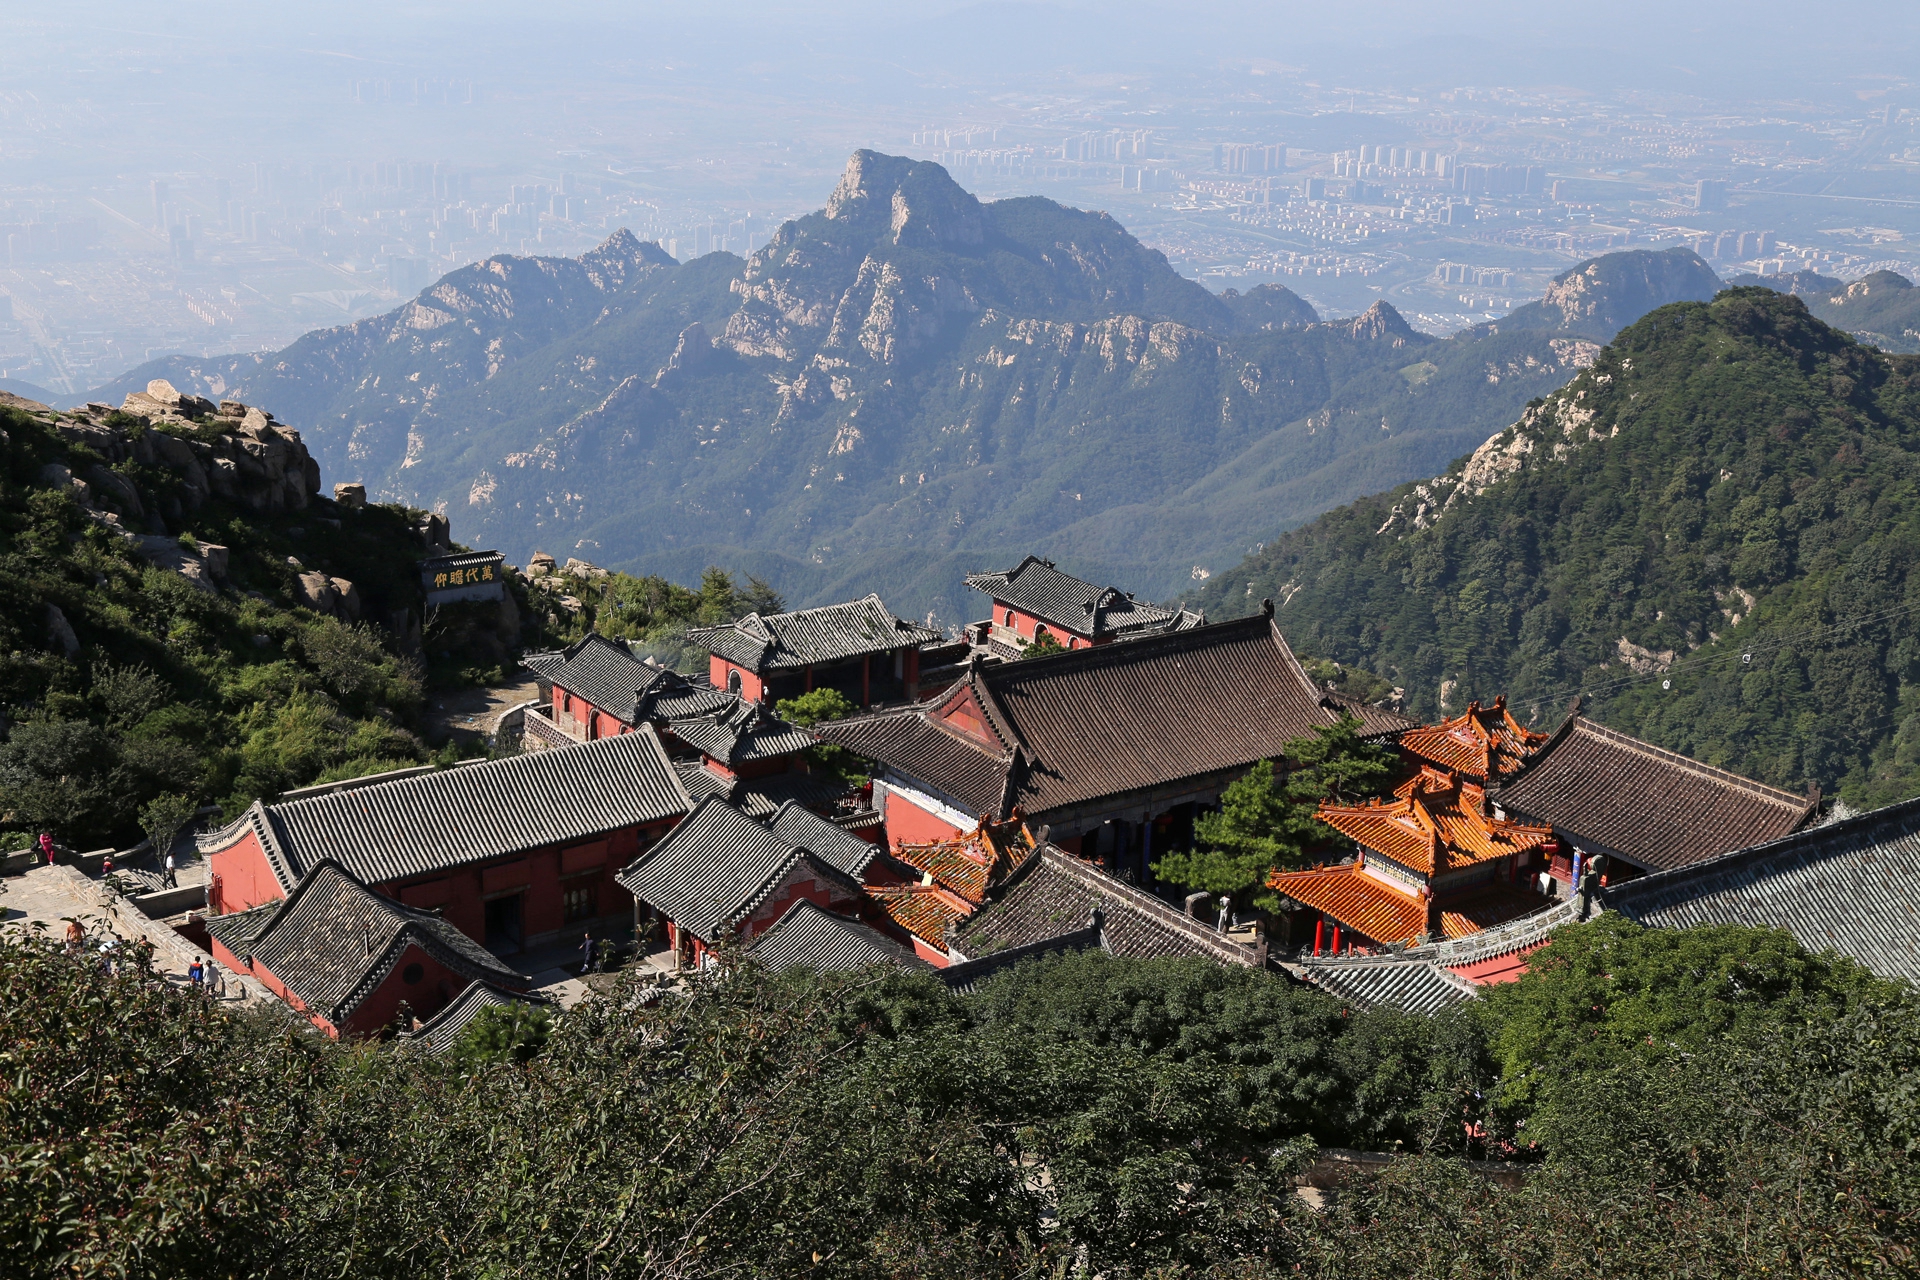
[539, 732]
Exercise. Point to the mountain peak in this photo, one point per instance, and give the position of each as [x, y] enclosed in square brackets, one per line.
[1378, 321]
[920, 200]
[1604, 295]
[621, 258]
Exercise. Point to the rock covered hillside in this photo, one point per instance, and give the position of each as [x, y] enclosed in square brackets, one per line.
[1712, 535]
[900, 387]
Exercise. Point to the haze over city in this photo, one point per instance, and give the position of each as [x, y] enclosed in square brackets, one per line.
[225, 178]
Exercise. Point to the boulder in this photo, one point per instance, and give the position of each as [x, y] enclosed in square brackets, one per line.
[349, 495]
[315, 590]
[60, 632]
[541, 565]
[216, 558]
[346, 600]
[116, 491]
[54, 476]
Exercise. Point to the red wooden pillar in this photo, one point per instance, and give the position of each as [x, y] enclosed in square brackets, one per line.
[1336, 939]
[1319, 933]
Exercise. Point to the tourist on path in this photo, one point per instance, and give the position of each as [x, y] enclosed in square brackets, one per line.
[171, 882]
[196, 974]
[46, 847]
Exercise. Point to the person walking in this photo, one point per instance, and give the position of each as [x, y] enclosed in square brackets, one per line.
[171, 882]
[586, 954]
[76, 937]
[46, 847]
[216, 982]
[197, 974]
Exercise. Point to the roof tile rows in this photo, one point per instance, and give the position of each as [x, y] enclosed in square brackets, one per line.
[1434, 823]
[1852, 886]
[974, 863]
[332, 941]
[1388, 915]
[1056, 893]
[1610, 792]
[740, 731]
[1411, 986]
[812, 637]
[1098, 722]
[809, 937]
[715, 869]
[476, 812]
[1482, 743]
[608, 674]
[1036, 588]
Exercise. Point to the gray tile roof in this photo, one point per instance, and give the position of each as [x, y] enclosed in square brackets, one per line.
[910, 741]
[836, 844]
[1057, 893]
[1083, 726]
[717, 867]
[476, 812]
[440, 1032]
[831, 633]
[1608, 791]
[807, 936]
[1852, 886]
[965, 977]
[607, 674]
[333, 941]
[1035, 587]
[1415, 986]
[740, 731]
[760, 797]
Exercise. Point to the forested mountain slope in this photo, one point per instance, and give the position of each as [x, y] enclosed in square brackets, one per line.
[1711, 534]
[901, 387]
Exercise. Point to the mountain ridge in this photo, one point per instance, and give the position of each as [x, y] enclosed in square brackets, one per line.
[904, 383]
[1709, 535]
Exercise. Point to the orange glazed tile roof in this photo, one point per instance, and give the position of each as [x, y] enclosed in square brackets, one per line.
[975, 862]
[1436, 822]
[1481, 743]
[1357, 901]
[924, 911]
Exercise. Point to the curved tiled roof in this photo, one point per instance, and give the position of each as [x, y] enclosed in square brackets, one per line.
[807, 637]
[1057, 893]
[716, 868]
[836, 844]
[1415, 986]
[1388, 915]
[607, 674]
[333, 941]
[1433, 812]
[740, 732]
[1035, 587]
[953, 763]
[1852, 886]
[964, 977]
[476, 812]
[807, 936]
[1608, 791]
[1480, 743]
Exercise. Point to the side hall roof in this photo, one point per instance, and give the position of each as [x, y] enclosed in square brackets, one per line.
[1609, 792]
[1413, 986]
[740, 731]
[812, 637]
[608, 674]
[1852, 886]
[717, 867]
[1098, 722]
[808, 936]
[1035, 587]
[1482, 743]
[471, 813]
[333, 941]
[1057, 893]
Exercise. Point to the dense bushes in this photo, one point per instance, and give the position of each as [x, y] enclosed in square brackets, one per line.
[1079, 1116]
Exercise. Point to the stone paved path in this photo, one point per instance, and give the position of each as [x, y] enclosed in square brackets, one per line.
[53, 895]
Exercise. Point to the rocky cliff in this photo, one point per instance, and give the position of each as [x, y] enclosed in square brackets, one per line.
[1597, 299]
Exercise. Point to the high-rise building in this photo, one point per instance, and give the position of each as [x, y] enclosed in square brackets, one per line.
[1316, 189]
[1709, 194]
[159, 204]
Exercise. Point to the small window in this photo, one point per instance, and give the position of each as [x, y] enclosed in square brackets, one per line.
[733, 680]
[580, 904]
[412, 974]
[1009, 617]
